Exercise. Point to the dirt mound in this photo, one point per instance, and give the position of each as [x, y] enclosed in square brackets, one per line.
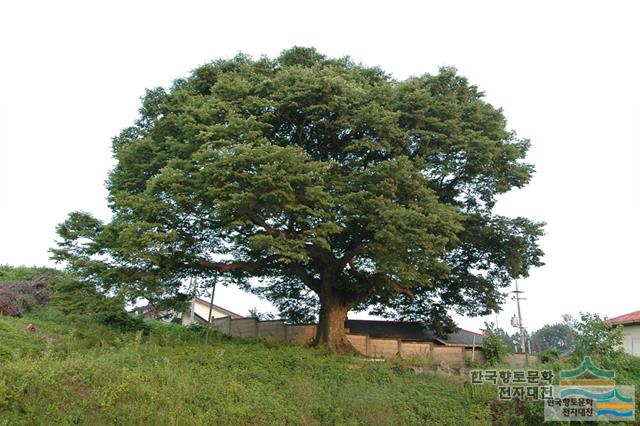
[18, 297]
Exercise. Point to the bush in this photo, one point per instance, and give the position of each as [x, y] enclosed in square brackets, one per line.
[81, 300]
[597, 338]
[122, 321]
[549, 355]
[472, 363]
[494, 347]
[627, 369]
[78, 299]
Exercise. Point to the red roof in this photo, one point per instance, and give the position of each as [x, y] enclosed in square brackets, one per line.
[631, 318]
[472, 332]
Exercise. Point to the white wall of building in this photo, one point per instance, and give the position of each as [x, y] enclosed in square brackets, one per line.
[201, 308]
[631, 339]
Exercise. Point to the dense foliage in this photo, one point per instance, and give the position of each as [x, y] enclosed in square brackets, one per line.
[560, 336]
[336, 185]
[493, 346]
[597, 338]
[549, 355]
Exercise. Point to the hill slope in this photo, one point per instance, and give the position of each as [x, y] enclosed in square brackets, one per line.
[86, 373]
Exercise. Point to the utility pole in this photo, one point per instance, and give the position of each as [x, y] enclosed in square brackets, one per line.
[520, 326]
[213, 291]
[473, 349]
[192, 318]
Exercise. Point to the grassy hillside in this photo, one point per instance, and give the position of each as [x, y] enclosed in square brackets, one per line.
[79, 359]
[66, 372]
[21, 273]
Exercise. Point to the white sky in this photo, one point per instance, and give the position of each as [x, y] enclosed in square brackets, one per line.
[566, 73]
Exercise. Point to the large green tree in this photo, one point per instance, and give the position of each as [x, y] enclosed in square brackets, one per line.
[334, 184]
[559, 336]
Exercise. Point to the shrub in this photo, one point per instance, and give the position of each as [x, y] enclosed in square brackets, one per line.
[472, 363]
[76, 298]
[595, 337]
[549, 355]
[81, 300]
[627, 369]
[494, 348]
[123, 321]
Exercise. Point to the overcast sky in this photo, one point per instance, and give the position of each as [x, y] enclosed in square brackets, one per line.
[566, 73]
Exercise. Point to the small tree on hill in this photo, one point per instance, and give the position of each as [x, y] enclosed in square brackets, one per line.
[596, 337]
[336, 186]
[493, 345]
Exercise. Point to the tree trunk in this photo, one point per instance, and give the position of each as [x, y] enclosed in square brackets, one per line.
[334, 306]
[331, 332]
[156, 312]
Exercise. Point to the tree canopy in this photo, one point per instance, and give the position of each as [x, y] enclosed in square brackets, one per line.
[559, 336]
[334, 185]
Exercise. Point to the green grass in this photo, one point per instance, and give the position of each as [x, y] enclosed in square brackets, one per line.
[21, 273]
[83, 368]
[76, 371]
[83, 373]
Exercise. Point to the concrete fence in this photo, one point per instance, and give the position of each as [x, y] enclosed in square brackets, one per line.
[272, 330]
[363, 343]
[452, 355]
[410, 349]
[476, 355]
[223, 325]
[379, 347]
[244, 327]
[519, 360]
[300, 333]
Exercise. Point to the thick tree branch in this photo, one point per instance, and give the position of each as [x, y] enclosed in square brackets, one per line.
[353, 249]
[256, 219]
[238, 266]
[403, 290]
[307, 279]
[321, 255]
